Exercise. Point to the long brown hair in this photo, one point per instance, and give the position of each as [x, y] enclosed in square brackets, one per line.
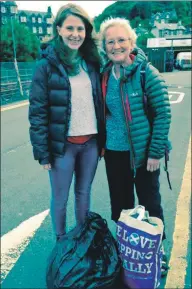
[88, 50]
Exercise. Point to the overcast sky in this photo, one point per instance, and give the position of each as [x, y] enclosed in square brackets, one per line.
[93, 8]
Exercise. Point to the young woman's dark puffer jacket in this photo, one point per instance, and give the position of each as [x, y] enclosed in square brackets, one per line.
[50, 106]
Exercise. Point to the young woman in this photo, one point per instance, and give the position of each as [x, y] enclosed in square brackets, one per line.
[66, 112]
[134, 146]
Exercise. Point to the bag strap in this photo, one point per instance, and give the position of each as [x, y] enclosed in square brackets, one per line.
[143, 69]
[166, 167]
[142, 79]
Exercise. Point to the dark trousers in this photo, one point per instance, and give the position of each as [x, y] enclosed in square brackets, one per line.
[81, 161]
[121, 185]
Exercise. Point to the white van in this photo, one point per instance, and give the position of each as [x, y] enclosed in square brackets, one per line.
[183, 60]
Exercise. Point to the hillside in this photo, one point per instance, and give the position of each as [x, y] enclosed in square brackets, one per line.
[140, 12]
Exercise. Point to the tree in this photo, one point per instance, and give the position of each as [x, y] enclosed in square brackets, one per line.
[26, 43]
[140, 12]
[117, 9]
[183, 8]
[142, 40]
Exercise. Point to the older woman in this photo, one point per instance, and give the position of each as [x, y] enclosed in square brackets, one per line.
[134, 146]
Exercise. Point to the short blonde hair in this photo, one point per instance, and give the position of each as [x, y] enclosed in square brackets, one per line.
[110, 22]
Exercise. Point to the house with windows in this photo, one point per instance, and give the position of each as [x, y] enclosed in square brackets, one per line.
[40, 23]
[169, 30]
[8, 9]
[165, 17]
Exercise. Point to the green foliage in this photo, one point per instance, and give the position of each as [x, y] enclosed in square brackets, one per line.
[161, 6]
[142, 40]
[140, 12]
[183, 9]
[117, 9]
[26, 43]
[186, 21]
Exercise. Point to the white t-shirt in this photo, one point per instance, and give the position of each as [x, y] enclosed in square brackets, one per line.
[83, 118]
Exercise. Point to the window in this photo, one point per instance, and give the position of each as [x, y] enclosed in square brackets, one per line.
[4, 20]
[180, 32]
[33, 19]
[49, 30]
[23, 19]
[3, 10]
[49, 20]
[40, 30]
[13, 9]
[34, 30]
[39, 20]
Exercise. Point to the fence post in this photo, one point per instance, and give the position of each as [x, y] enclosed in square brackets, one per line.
[18, 77]
[15, 60]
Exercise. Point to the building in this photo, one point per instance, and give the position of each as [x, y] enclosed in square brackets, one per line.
[173, 30]
[166, 17]
[40, 23]
[162, 52]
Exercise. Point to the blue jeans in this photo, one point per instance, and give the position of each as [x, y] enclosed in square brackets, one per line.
[80, 160]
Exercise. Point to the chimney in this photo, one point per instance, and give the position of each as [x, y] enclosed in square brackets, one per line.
[179, 23]
[49, 10]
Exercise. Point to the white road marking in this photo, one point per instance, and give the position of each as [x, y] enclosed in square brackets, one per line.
[16, 148]
[178, 262]
[14, 242]
[179, 95]
[15, 106]
[180, 98]
[11, 151]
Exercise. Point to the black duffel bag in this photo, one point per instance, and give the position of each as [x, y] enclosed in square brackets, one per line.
[87, 257]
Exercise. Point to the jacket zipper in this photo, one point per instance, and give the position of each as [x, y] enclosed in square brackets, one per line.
[104, 91]
[62, 70]
[128, 128]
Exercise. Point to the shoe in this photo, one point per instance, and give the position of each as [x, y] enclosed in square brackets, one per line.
[164, 266]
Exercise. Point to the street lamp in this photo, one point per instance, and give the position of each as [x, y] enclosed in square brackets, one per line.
[15, 59]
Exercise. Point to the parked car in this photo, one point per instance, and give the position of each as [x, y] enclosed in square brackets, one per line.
[183, 60]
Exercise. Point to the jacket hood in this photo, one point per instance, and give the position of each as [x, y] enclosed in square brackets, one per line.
[139, 58]
[47, 51]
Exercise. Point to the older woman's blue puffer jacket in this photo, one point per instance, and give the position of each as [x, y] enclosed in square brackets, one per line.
[146, 143]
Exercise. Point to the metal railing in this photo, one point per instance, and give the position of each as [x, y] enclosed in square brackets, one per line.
[9, 85]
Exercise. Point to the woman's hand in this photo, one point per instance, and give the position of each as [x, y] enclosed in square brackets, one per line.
[47, 167]
[153, 165]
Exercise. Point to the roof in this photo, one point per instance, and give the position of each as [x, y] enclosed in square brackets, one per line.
[164, 14]
[170, 26]
[9, 3]
[30, 13]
